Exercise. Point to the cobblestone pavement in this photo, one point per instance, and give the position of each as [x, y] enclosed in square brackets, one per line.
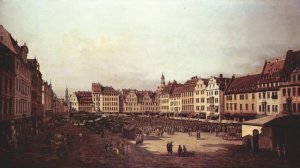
[210, 152]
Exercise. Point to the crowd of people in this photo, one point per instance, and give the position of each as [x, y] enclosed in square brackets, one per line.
[159, 126]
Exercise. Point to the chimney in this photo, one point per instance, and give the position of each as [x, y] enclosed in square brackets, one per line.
[221, 75]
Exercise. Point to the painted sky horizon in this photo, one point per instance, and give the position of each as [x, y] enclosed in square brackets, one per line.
[128, 44]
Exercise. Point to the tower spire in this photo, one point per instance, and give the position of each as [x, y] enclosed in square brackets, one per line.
[162, 79]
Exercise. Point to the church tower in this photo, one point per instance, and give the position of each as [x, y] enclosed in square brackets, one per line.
[67, 94]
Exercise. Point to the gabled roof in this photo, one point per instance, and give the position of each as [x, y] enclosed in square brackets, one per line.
[140, 94]
[272, 71]
[7, 39]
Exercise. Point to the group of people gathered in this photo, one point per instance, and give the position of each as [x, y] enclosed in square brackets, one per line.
[118, 147]
[181, 151]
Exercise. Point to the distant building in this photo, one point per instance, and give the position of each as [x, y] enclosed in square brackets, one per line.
[200, 98]
[105, 99]
[47, 96]
[241, 98]
[135, 101]
[73, 102]
[85, 102]
[187, 96]
[164, 93]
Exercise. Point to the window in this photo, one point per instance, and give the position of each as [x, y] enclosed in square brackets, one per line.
[259, 108]
[283, 92]
[241, 107]
[234, 96]
[274, 95]
[264, 95]
[268, 95]
[298, 107]
[241, 97]
[259, 95]
[289, 92]
[253, 96]
[252, 106]
[298, 90]
[294, 91]
[294, 78]
[246, 107]
[284, 107]
[234, 106]
[294, 107]
[246, 95]
[268, 108]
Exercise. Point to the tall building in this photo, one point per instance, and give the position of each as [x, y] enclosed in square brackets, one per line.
[36, 93]
[200, 98]
[289, 90]
[7, 73]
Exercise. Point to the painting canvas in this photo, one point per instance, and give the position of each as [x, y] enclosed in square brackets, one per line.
[149, 83]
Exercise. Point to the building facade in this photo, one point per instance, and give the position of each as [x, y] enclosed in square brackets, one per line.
[241, 98]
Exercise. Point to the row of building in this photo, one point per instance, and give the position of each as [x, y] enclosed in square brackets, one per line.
[26, 100]
[275, 90]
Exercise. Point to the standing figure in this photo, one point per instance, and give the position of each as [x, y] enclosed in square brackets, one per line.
[171, 148]
[179, 150]
[283, 151]
[278, 152]
[184, 151]
[168, 148]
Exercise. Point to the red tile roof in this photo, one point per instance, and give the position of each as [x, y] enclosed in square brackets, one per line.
[84, 96]
[244, 84]
[106, 90]
[272, 71]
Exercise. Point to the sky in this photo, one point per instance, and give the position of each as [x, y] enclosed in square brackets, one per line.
[130, 43]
